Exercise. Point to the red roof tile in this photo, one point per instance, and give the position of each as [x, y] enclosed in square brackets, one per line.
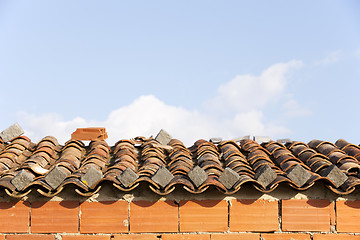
[48, 167]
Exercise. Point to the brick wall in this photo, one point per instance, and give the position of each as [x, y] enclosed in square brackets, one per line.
[193, 220]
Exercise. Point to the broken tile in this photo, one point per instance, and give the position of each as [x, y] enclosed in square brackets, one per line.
[127, 177]
[197, 175]
[91, 177]
[265, 175]
[216, 140]
[11, 132]
[22, 179]
[163, 137]
[299, 175]
[337, 176]
[162, 177]
[137, 145]
[56, 176]
[262, 139]
[229, 177]
[241, 138]
[284, 140]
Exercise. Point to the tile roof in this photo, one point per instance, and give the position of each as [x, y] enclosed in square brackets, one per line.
[48, 167]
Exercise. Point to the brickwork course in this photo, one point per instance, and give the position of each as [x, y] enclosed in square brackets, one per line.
[156, 188]
[197, 219]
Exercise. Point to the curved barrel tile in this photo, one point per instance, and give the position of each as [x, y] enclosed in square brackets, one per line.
[47, 167]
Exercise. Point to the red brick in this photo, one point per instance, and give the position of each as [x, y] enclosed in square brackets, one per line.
[306, 215]
[335, 237]
[348, 216]
[14, 217]
[91, 133]
[86, 237]
[30, 237]
[236, 236]
[203, 216]
[332, 214]
[55, 217]
[185, 237]
[254, 215]
[136, 237]
[285, 236]
[104, 217]
[149, 217]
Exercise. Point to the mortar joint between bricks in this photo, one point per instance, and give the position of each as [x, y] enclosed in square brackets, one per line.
[129, 216]
[178, 208]
[335, 210]
[280, 214]
[29, 218]
[228, 209]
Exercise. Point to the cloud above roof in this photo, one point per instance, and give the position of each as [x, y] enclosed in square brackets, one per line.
[331, 57]
[243, 99]
[246, 92]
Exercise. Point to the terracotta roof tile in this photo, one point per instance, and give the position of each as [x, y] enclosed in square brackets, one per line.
[48, 167]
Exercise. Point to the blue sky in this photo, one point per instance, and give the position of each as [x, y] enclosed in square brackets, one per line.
[198, 69]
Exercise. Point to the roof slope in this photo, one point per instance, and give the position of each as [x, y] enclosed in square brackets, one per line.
[48, 167]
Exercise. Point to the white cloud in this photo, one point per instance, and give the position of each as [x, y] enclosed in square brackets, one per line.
[245, 97]
[253, 123]
[247, 92]
[145, 117]
[39, 126]
[294, 109]
[249, 122]
[331, 57]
